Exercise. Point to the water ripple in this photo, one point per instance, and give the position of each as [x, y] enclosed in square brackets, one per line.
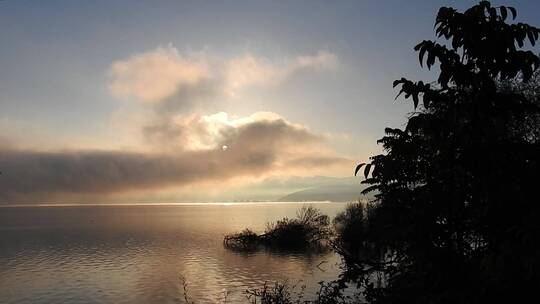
[137, 254]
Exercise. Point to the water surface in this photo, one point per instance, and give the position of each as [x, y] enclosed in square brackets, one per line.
[136, 254]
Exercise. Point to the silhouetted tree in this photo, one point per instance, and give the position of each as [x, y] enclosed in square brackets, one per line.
[457, 213]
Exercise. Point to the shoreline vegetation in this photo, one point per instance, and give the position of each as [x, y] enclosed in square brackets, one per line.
[309, 229]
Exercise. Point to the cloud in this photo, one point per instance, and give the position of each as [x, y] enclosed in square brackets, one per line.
[178, 85]
[182, 147]
[323, 60]
[174, 86]
[250, 70]
[260, 145]
[203, 132]
[164, 74]
[155, 75]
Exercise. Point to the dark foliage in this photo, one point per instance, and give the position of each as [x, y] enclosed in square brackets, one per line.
[455, 217]
[246, 240]
[351, 225]
[351, 232]
[456, 213]
[284, 293]
[279, 293]
[309, 228]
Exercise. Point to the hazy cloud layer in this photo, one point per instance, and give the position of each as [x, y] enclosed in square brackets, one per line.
[257, 146]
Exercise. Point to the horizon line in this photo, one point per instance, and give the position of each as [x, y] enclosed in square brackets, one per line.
[160, 204]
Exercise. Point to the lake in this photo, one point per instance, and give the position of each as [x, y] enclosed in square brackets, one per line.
[138, 253]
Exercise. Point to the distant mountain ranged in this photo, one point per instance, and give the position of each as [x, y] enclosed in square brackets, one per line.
[338, 190]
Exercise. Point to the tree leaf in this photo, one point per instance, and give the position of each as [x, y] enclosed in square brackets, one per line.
[398, 81]
[513, 11]
[492, 13]
[366, 170]
[370, 189]
[519, 41]
[400, 92]
[430, 60]
[530, 34]
[421, 55]
[358, 168]
[504, 12]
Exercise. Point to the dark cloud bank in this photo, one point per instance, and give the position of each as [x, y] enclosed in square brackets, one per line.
[255, 149]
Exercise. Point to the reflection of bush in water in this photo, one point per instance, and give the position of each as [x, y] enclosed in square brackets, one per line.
[355, 235]
[351, 224]
[310, 228]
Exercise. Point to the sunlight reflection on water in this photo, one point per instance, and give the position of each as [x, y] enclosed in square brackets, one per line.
[136, 253]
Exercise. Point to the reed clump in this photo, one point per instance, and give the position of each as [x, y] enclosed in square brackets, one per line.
[309, 228]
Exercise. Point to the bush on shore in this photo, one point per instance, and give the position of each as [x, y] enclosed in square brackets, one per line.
[309, 228]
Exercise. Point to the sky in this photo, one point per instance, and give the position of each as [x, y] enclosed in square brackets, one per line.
[114, 101]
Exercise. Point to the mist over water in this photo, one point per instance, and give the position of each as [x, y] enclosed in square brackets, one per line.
[137, 253]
